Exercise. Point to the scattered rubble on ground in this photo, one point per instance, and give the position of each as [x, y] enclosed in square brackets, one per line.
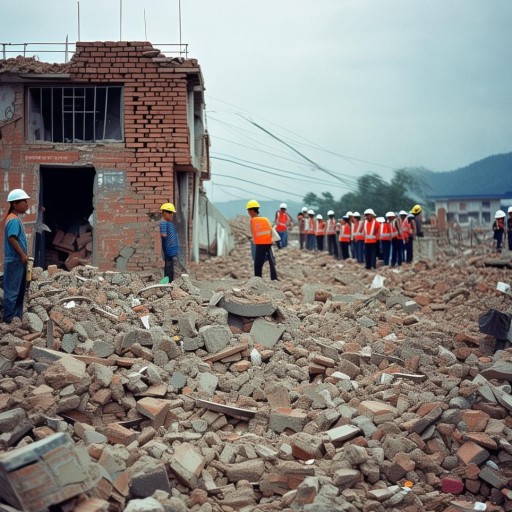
[225, 392]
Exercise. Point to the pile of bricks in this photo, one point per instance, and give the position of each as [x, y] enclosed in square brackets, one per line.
[77, 248]
[241, 394]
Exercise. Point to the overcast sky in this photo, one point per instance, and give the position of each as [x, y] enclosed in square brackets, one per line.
[355, 86]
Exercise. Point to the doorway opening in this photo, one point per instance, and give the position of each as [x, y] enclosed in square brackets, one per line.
[66, 205]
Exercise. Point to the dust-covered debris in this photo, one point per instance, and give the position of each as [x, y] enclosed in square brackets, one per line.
[224, 392]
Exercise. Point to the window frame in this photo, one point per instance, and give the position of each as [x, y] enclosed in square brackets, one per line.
[74, 116]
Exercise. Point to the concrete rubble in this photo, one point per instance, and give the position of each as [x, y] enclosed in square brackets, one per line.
[313, 393]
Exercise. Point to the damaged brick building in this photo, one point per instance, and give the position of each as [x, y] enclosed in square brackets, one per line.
[99, 143]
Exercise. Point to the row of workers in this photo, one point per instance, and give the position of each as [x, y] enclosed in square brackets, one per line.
[389, 238]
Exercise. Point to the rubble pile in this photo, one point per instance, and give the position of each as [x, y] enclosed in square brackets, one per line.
[327, 390]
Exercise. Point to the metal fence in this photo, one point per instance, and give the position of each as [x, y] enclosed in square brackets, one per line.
[64, 51]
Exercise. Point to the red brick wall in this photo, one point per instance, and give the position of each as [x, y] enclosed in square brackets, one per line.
[156, 141]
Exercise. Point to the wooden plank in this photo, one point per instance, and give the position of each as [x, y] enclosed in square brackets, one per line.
[228, 410]
[229, 351]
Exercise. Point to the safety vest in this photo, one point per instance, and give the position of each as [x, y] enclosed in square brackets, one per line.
[282, 219]
[405, 228]
[331, 226]
[302, 222]
[310, 226]
[371, 231]
[358, 230]
[261, 230]
[394, 230]
[345, 233]
[321, 226]
[386, 231]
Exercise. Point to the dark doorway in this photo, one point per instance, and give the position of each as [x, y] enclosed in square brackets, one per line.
[65, 206]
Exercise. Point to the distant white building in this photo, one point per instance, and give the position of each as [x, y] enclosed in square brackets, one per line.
[469, 210]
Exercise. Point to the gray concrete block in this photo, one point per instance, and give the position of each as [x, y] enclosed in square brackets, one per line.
[207, 382]
[247, 307]
[265, 333]
[148, 480]
[216, 337]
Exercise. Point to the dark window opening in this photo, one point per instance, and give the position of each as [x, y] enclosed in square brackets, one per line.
[66, 207]
[75, 114]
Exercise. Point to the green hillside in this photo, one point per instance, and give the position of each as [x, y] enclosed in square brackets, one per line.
[491, 176]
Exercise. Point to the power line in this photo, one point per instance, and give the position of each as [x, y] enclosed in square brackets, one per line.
[313, 144]
[258, 184]
[291, 173]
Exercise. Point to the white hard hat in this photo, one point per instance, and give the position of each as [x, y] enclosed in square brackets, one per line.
[390, 214]
[381, 219]
[311, 212]
[304, 209]
[17, 194]
[349, 214]
[357, 214]
[509, 209]
[283, 205]
[499, 214]
[402, 212]
[319, 217]
[330, 212]
[369, 211]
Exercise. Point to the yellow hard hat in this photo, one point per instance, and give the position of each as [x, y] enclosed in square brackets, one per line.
[416, 209]
[168, 207]
[252, 204]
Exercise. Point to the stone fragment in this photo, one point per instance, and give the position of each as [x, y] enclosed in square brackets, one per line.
[306, 446]
[346, 477]
[501, 370]
[307, 491]
[494, 477]
[216, 337]
[67, 370]
[14, 424]
[472, 453]
[285, 418]
[148, 479]
[266, 333]
[248, 307]
[187, 464]
[155, 409]
[250, 470]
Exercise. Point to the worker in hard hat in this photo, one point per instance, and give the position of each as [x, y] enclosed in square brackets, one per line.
[261, 230]
[301, 221]
[418, 219]
[332, 243]
[407, 224]
[498, 228]
[310, 230]
[509, 228]
[170, 242]
[371, 230]
[358, 237]
[320, 230]
[345, 236]
[397, 239]
[283, 224]
[15, 255]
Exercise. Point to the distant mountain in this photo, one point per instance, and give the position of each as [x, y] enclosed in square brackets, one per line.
[490, 177]
[230, 209]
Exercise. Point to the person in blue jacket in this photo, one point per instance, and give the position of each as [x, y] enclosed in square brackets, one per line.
[15, 255]
[170, 242]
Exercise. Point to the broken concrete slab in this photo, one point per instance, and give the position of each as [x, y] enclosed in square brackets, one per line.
[266, 333]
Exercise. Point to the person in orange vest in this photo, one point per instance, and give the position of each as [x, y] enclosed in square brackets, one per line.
[358, 237]
[262, 237]
[408, 226]
[371, 237]
[283, 223]
[385, 238]
[320, 230]
[332, 244]
[310, 231]
[397, 244]
[345, 236]
[301, 220]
